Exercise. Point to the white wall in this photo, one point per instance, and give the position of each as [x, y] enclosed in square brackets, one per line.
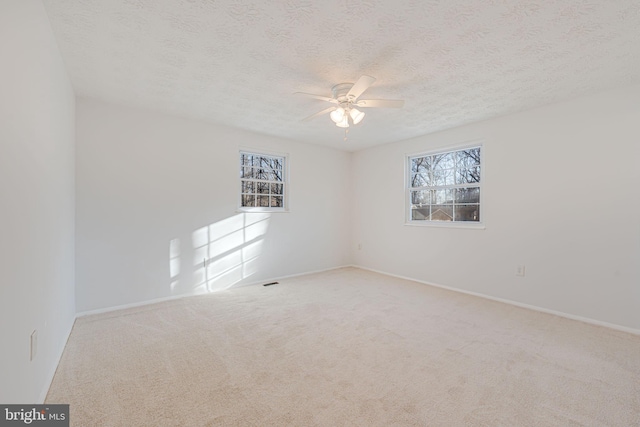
[146, 179]
[37, 196]
[560, 195]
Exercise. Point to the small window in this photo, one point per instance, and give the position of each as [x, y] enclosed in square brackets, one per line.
[262, 182]
[445, 186]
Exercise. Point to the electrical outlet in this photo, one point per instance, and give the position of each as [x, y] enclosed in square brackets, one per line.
[34, 345]
[520, 270]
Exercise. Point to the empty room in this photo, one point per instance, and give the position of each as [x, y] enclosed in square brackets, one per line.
[338, 213]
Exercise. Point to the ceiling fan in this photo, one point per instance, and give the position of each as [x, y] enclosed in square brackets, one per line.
[345, 100]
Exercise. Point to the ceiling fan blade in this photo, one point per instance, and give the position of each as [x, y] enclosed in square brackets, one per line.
[320, 97]
[361, 85]
[319, 113]
[383, 103]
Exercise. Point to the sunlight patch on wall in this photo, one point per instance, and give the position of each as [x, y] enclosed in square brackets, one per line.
[174, 262]
[226, 252]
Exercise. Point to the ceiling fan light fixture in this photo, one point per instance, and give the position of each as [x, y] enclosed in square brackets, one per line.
[344, 123]
[356, 115]
[345, 98]
[337, 115]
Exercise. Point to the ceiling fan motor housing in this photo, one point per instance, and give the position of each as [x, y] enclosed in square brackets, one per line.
[340, 92]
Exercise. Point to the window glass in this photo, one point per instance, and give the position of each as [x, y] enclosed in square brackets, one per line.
[262, 181]
[445, 186]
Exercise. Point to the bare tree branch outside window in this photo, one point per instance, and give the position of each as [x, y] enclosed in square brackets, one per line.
[445, 186]
[262, 182]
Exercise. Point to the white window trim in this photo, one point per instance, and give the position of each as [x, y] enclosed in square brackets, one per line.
[480, 225]
[285, 195]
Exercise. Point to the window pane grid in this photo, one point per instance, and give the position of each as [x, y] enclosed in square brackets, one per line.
[445, 186]
[261, 181]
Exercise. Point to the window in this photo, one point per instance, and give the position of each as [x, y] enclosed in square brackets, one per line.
[445, 186]
[262, 181]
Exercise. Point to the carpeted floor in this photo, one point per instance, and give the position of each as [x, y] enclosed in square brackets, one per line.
[346, 347]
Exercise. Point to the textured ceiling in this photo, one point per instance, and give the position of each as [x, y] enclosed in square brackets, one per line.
[238, 62]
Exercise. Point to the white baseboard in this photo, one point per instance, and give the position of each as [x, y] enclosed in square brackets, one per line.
[510, 302]
[133, 305]
[477, 294]
[186, 295]
[52, 372]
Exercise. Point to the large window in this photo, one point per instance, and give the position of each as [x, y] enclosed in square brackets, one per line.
[262, 181]
[445, 186]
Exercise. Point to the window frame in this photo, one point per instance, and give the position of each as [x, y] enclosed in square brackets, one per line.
[447, 224]
[285, 181]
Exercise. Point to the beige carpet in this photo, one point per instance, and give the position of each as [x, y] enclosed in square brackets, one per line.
[345, 348]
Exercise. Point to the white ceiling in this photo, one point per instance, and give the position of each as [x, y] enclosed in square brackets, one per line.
[238, 62]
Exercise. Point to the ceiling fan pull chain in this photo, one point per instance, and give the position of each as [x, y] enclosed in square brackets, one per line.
[346, 130]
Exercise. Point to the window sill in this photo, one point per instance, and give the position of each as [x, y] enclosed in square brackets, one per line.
[444, 224]
[262, 210]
